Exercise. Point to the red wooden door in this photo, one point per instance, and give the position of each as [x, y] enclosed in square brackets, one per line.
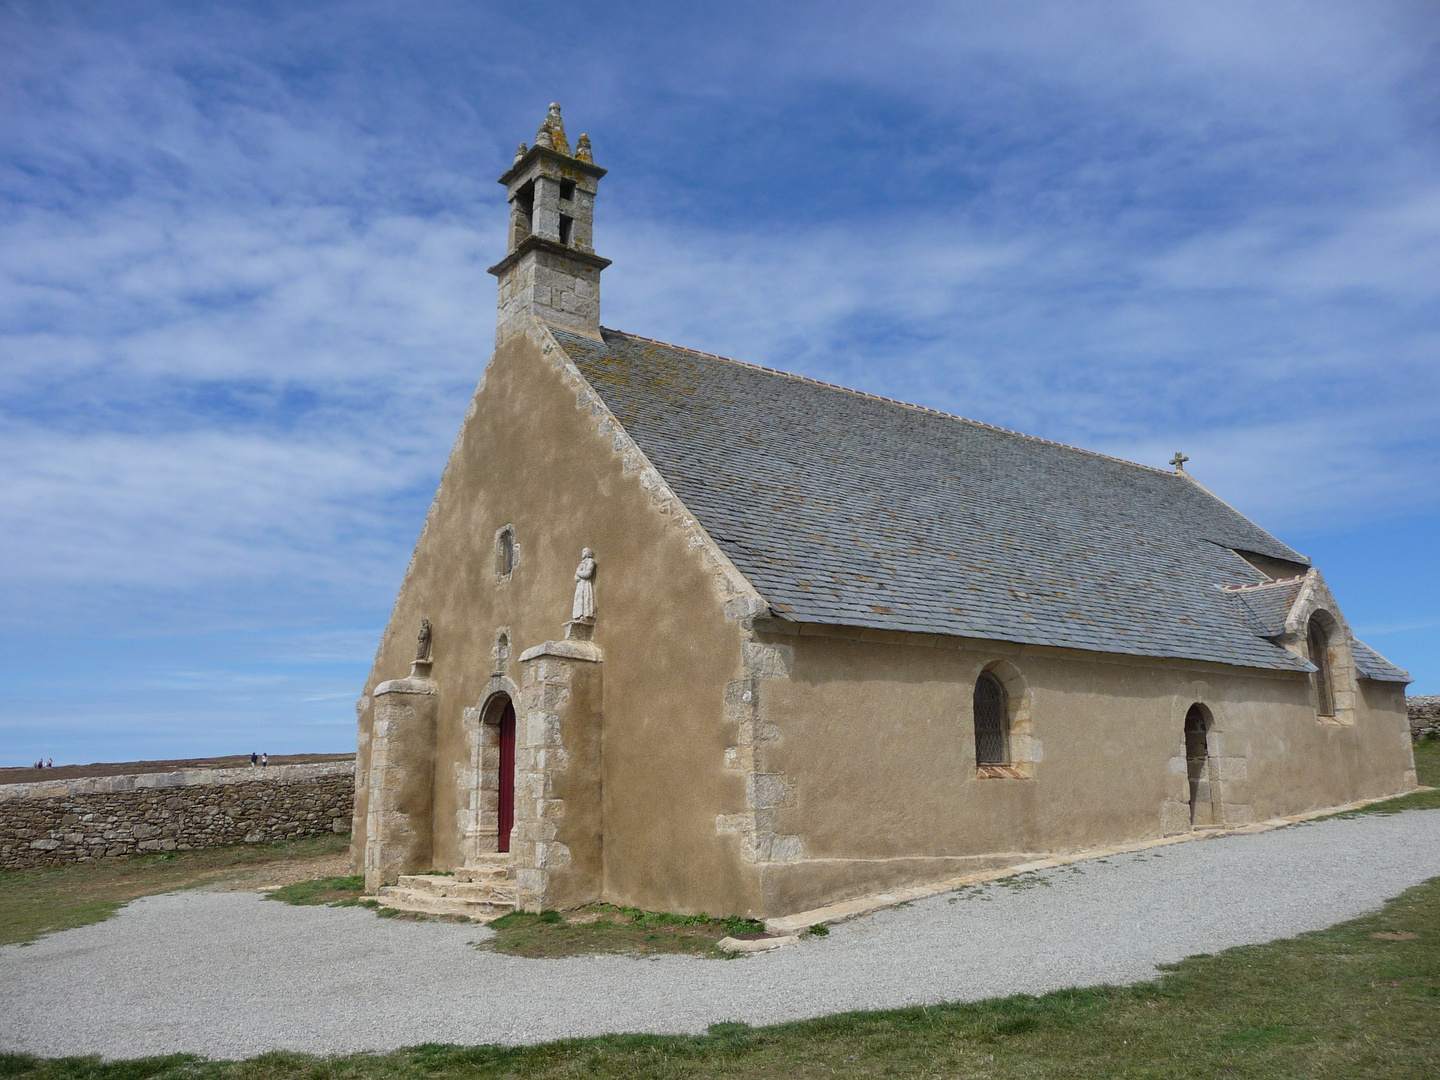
[507, 776]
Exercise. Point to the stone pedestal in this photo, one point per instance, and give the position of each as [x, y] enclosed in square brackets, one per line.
[402, 778]
[557, 843]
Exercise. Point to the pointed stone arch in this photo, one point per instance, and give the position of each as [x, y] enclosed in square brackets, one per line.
[1316, 626]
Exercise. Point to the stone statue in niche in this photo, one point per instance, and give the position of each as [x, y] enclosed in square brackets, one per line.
[422, 646]
[584, 608]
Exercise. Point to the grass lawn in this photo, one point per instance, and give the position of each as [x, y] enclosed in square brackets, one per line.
[603, 928]
[595, 928]
[1358, 1000]
[1361, 999]
[340, 891]
[41, 901]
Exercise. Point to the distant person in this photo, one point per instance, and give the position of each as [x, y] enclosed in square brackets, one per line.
[254, 759]
[264, 759]
[49, 762]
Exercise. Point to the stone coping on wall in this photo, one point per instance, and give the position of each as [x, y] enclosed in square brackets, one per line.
[104, 785]
[865, 905]
[570, 650]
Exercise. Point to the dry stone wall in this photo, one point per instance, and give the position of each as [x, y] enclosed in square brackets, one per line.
[48, 823]
[1424, 715]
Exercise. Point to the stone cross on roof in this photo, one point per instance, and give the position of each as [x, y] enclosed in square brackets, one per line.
[1179, 461]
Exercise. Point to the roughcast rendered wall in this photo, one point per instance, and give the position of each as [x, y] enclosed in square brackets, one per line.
[537, 455]
[872, 746]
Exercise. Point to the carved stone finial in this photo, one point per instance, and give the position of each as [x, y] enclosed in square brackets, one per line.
[521, 151]
[556, 128]
[1179, 461]
[582, 150]
[552, 132]
[422, 645]
[584, 607]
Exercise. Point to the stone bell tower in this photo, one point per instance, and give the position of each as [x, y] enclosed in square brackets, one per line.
[551, 271]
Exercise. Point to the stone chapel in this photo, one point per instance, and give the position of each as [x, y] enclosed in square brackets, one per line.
[690, 635]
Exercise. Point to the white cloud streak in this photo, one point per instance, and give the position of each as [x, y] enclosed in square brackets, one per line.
[243, 299]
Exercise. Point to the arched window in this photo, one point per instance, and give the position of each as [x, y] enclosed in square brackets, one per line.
[992, 721]
[1197, 765]
[1319, 643]
[505, 552]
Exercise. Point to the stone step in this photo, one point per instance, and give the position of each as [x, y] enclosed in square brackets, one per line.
[493, 858]
[402, 898]
[444, 886]
[496, 866]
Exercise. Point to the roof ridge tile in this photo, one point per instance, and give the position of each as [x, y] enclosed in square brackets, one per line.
[889, 401]
[1262, 584]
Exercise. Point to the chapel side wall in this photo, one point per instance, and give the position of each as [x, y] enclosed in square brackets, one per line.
[1310, 764]
[875, 745]
[529, 457]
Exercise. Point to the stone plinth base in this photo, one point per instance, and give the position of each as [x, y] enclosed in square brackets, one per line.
[556, 842]
[401, 781]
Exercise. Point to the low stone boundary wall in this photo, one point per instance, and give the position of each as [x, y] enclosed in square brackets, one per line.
[47, 823]
[1424, 715]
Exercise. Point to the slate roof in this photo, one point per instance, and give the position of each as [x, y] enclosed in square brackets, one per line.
[1371, 665]
[844, 508]
[1267, 606]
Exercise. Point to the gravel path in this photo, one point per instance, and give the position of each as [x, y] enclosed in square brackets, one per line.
[230, 975]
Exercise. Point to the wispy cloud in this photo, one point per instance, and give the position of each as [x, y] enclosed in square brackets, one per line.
[243, 299]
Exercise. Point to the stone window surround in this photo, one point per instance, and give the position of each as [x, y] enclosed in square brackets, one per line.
[500, 654]
[1208, 788]
[1025, 748]
[1315, 601]
[1336, 666]
[1225, 775]
[504, 575]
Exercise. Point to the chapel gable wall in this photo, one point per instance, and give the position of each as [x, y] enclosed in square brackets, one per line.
[538, 457]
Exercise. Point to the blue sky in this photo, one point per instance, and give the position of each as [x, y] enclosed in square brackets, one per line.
[243, 299]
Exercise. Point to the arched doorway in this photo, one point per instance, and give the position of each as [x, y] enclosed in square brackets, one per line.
[506, 809]
[1197, 766]
[497, 773]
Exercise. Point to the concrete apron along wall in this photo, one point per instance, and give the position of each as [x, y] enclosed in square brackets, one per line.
[53, 822]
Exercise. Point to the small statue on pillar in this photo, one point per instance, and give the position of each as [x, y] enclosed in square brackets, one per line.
[420, 669]
[582, 613]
